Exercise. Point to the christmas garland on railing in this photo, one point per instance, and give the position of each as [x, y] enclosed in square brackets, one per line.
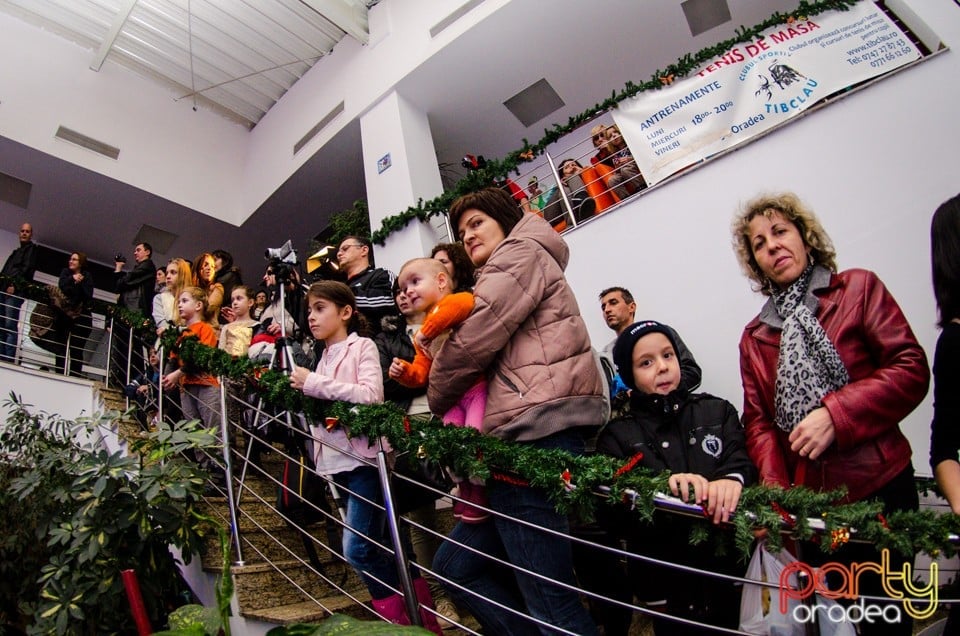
[573, 482]
[495, 170]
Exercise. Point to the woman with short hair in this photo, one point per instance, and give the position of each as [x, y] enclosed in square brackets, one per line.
[526, 336]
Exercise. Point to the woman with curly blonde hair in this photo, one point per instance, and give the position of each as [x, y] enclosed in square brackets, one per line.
[829, 367]
[789, 206]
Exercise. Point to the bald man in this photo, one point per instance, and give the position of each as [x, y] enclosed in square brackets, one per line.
[21, 264]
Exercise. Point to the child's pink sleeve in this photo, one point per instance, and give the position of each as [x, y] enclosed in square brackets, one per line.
[358, 380]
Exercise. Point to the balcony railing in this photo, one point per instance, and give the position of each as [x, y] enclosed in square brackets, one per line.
[247, 426]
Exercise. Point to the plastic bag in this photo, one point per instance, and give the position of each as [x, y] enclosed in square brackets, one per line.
[760, 604]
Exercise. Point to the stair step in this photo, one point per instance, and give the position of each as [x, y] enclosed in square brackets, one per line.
[265, 585]
[258, 546]
[313, 612]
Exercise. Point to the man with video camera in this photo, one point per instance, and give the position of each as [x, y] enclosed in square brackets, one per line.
[136, 286]
[136, 294]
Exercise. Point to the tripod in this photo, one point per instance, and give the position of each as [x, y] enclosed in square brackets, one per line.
[299, 444]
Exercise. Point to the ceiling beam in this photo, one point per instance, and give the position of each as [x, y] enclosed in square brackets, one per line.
[347, 15]
[126, 6]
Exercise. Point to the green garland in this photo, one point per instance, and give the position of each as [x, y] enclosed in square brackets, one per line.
[573, 482]
[495, 170]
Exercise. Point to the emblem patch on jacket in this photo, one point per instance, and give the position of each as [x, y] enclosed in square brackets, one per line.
[711, 445]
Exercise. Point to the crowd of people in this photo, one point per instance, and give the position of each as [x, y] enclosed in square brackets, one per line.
[486, 332]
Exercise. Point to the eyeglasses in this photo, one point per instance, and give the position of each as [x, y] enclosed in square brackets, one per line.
[344, 248]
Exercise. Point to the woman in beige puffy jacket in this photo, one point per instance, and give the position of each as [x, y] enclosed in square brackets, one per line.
[526, 336]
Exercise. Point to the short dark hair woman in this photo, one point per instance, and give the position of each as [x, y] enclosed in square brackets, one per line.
[544, 390]
[830, 367]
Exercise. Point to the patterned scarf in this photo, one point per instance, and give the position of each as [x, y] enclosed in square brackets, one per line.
[809, 366]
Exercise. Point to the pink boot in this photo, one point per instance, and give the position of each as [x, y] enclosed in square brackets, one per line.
[394, 608]
[428, 618]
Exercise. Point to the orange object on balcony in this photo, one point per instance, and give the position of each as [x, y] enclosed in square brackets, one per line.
[593, 179]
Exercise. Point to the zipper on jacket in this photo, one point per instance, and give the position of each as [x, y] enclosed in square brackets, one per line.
[510, 384]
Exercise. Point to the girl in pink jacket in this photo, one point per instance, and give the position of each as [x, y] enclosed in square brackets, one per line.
[349, 371]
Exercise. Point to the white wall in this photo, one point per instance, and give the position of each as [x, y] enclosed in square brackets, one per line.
[873, 166]
[70, 398]
[221, 169]
[357, 75]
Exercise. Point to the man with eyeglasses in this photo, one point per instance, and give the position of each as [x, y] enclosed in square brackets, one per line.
[372, 286]
[21, 264]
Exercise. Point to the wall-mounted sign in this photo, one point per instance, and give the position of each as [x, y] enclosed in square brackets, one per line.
[755, 86]
[383, 163]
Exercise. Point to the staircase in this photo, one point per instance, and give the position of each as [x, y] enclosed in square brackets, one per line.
[276, 583]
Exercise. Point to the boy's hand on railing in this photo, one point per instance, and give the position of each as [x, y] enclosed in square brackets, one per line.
[722, 498]
[681, 483]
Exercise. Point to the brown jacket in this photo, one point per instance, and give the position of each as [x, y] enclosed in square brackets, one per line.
[888, 379]
[526, 334]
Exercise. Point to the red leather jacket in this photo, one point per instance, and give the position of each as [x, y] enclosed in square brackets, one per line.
[889, 376]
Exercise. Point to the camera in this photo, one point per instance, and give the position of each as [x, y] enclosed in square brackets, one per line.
[282, 260]
[285, 253]
[120, 258]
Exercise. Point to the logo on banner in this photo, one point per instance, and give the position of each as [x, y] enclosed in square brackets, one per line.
[782, 87]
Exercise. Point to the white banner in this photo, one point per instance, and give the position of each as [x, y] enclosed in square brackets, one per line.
[758, 85]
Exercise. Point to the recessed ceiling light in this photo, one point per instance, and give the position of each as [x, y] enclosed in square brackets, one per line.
[534, 103]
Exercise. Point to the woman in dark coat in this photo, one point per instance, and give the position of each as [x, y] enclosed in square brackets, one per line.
[74, 323]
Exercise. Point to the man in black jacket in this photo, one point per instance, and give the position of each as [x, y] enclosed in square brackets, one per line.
[136, 294]
[372, 286]
[136, 286]
[21, 264]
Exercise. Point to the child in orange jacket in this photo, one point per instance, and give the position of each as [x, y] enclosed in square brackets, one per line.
[428, 287]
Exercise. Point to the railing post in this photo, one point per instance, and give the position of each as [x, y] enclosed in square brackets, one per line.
[561, 189]
[159, 387]
[400, 557]
[228, 469]
[66, 354]
[111, 327]
[126, 380]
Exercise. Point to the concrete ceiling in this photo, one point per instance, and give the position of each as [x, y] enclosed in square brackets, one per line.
[584, 50]
[239, 57]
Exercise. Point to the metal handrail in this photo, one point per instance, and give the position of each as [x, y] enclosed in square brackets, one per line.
[233, 456]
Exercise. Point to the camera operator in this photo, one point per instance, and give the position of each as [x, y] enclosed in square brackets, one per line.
[136, 294]
[136, 286]
[274, 312]
[372, 286]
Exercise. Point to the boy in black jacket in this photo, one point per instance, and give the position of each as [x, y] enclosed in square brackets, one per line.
[699, 440]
